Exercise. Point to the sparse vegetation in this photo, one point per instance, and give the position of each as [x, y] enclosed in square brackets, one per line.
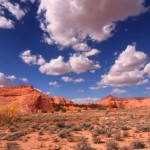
[79, 130]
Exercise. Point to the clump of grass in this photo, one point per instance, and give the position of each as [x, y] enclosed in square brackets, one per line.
[60, 125]
[112, 145]
[83, 145]
[64, 133]
[12, 146]
[70, 139]
[125, 134]
[117, 136]
[12, 129]
[98, 131]
[108, 133]
[35, 127]
[15, 136]
[125, 128]
[137, 144]
[76, 128]
[97, 140]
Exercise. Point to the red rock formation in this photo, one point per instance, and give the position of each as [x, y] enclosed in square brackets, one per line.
[27, 97]
[59, 100]
[114, 102]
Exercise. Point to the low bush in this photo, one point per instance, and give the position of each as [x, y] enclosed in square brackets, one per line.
[97, 140]
[117, 136]
[15, 136]
[112, 145]
[64, 133]
[137, 144]
[12, 146]
[83, 145]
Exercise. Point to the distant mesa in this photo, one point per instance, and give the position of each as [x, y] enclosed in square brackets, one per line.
[32, 100]
[110, 102]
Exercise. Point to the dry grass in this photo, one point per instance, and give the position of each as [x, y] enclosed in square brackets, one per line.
[82, 130]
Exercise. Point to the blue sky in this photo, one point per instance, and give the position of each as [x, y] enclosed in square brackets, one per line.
[81, 50]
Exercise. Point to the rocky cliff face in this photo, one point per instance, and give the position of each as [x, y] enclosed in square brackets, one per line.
[114, 102]
[27, 97]
[59, 100]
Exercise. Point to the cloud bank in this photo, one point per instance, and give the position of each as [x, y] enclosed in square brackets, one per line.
[77, 63]
[73, 22]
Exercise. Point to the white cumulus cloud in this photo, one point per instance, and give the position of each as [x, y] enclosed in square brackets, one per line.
[80, 64]
[118, 91]
[68, 79]
[71, 22]
[24, 79]
[76, 63]
[54, 84]
[6, 23]
[13, 8]
[6, 79]
[147, 69]
[28, 58]
[127, 70]
[55, 67]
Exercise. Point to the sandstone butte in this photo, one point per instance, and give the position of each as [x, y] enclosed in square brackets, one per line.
[30, 99]
[115, 102]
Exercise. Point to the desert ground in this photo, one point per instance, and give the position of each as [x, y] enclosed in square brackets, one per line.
[118, 129]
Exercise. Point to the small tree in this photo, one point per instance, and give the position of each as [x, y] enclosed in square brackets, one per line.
[8, 112]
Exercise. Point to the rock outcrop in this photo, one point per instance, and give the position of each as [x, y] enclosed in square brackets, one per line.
[115, 102]
[59, 100]
[29, 99]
